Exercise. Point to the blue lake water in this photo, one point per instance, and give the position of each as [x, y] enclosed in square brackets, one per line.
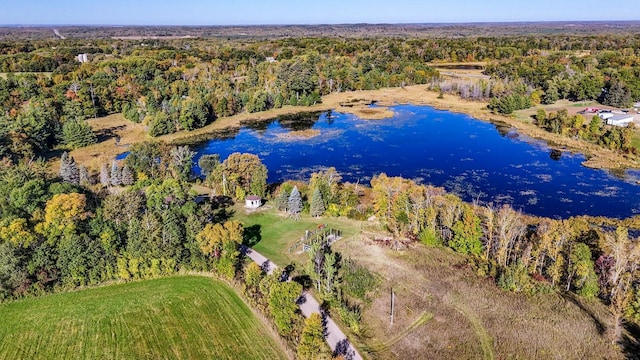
[466, 156]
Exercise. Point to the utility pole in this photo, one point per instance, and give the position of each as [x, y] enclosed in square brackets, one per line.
[393, 300]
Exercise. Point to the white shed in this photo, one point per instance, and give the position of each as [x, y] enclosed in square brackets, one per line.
[252, 202]
[606, 115]
[620, 120]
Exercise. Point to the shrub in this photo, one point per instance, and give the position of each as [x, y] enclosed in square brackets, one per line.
[357, 280]
[429, 237]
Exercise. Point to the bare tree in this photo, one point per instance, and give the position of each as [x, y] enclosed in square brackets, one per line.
[626, 254]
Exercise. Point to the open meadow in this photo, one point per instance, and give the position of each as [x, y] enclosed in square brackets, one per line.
[180, 317]
[444, 310]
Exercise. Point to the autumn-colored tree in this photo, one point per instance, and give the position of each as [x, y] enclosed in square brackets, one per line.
[62, 214]
[626, 257]
[253, 274]
[220, 242]
[467, 233]
[282, 305]
[17, 233]
[509, 228]
[391, 201]
[312, 345]
[243, 171]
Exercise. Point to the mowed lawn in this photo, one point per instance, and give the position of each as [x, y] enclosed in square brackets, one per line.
[181, 317]
[277, 233]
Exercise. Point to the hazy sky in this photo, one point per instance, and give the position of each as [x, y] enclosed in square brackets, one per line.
[242, 12]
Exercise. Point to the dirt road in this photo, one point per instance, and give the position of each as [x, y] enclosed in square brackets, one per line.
[336, 339]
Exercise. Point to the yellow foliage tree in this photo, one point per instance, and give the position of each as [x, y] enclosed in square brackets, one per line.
[17, 233]
[61, 214]
[213, 238]
[312, 345]
[220, 242]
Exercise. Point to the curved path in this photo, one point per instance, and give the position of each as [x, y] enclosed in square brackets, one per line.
[336, 339]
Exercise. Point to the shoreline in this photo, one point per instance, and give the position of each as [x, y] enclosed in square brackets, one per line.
[357, 103]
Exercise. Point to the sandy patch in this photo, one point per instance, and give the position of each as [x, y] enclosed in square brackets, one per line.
[298, 135]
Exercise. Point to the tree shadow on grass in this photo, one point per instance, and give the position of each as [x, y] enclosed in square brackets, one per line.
[629, 343]
[252, 235]
[600, 326]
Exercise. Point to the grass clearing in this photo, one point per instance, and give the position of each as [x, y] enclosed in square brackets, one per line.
[108, 129]
[181, 317]
[471, 317]
[277, 232]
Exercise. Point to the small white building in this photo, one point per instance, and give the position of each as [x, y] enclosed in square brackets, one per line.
[83, 58]
[620, 120]
[605, 115]
[252, 202]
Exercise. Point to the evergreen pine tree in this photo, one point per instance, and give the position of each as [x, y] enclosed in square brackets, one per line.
[295, 202]
[127, 176]
[317, 205]
[84, 176]
[116, 177]
[73, 172]
[282, 200]
[105, 178]
[64, 166]
[69, 169]
[77, 133]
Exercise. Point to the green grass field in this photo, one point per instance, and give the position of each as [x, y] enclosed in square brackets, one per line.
[181, 317]
[278, 233]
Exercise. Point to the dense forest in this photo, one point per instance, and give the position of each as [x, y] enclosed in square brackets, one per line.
[138, 218]
[184, 84]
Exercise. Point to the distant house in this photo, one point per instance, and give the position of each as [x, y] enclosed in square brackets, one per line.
[620, 120]
[83, 58]
[270, 59]
[252, 202]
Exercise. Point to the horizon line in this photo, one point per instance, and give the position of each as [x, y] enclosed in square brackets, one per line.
[331, 24]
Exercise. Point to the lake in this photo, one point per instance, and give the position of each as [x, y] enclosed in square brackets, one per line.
[468, 157]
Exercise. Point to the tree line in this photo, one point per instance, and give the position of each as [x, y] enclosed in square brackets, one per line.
[173, 85]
